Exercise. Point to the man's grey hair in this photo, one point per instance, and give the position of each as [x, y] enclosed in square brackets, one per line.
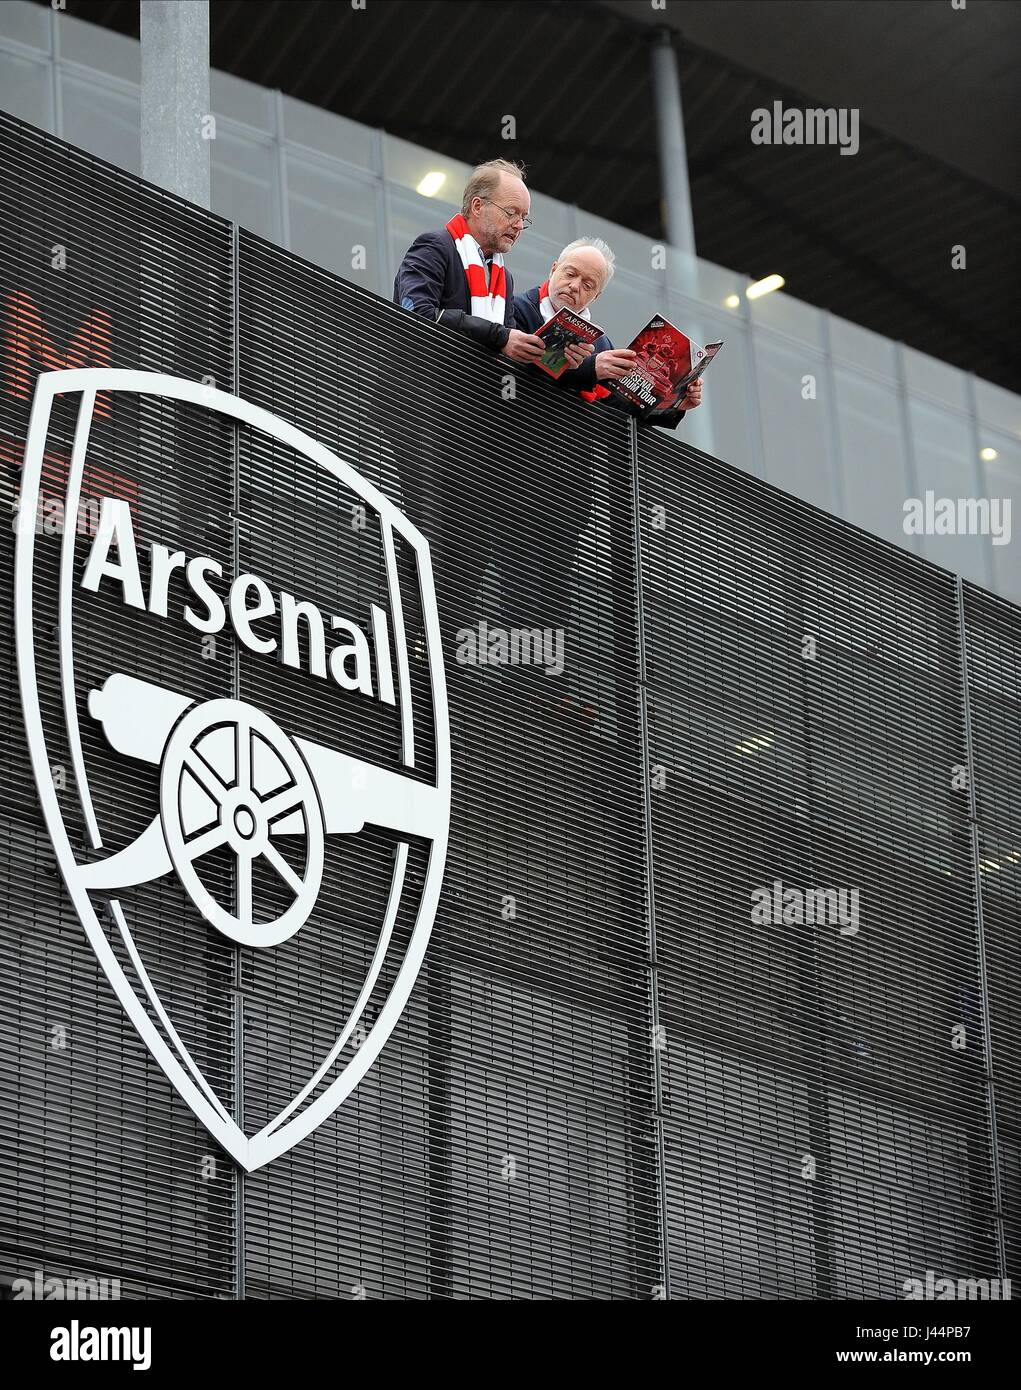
[485, 180]
[597, 244]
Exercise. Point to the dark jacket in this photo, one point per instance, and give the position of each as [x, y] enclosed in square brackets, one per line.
[528, 317]
[431, 282]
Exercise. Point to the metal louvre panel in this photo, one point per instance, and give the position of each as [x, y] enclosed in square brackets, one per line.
[105, 1170]
[789, 1043]
[993, 632]
[502, 1146]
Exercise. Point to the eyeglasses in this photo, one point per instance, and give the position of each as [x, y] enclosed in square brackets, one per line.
[511, 214]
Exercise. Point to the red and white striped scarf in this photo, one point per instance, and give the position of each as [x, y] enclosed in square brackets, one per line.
[596, 392]
[487, 301]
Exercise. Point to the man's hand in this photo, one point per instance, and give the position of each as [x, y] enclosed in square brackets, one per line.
[523, 347]
[693, 395]
[577, 353]
[614, 363]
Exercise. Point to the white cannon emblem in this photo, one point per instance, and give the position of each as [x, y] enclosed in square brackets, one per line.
[235, 787]
[229, 757]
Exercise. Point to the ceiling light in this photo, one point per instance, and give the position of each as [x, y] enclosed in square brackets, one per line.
[761, 287]
[988, 455]
[732, 301]
[431, 183]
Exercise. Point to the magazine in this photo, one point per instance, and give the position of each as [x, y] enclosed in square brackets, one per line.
[668, 362]
[559, 332]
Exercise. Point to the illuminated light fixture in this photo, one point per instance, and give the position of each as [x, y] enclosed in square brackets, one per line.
[431, 183]
[766, 286]
[985, 865]
[753, 745]
[732, 301]
[987, 455]
[1013, 857]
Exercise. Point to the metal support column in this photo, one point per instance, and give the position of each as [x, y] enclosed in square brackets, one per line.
[678, 226]
[176, 125]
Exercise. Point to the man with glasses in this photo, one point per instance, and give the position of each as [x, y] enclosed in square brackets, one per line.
[456, 275]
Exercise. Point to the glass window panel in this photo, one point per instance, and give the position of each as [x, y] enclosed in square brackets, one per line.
[241, 101]
[331, 214]
[407, 165]
[728, 400]
[689, 314]
[244, 183]
[793, 429]
[787, 315]
[698, 279]
[935, 378]
[945, 462]
[25, 85]
[997, 407]
[552, 220]
[27, 24]
[862, 347]
[333, 135]
[872, 456]
[732, 313]
[103, 121]
[101, 49]
[1003, 480]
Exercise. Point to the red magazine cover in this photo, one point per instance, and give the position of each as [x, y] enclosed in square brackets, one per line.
[668, 362]
[559, 332]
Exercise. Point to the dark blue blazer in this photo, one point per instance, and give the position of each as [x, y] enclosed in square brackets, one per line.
[431, 282]
[528, 317]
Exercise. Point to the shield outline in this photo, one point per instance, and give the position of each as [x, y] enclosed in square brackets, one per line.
[274, 1139]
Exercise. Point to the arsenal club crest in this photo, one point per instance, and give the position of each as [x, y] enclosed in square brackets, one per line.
[237, 801]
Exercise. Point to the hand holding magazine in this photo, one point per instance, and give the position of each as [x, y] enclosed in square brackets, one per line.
[560, 332]
[668, 362]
